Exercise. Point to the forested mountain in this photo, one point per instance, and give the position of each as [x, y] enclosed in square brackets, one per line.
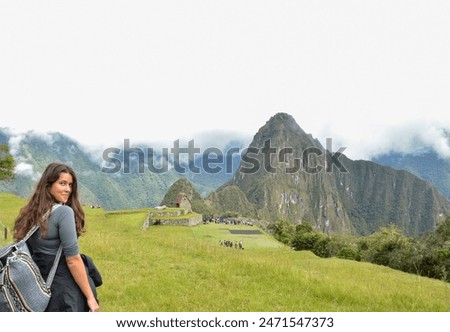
[184, 186]
[426, 164]
[121, 189]
[288, 175]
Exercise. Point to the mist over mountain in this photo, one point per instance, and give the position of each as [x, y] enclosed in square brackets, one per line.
[422, 150]
[132, 185]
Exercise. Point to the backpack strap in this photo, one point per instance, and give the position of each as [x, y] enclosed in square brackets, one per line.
[52, 273]
[33, 229]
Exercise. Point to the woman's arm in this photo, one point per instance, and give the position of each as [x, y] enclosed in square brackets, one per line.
[78, 271]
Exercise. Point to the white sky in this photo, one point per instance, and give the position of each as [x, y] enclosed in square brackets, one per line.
[372, 75]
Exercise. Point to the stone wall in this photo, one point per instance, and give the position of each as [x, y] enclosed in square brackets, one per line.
[183, 222]
[153, 219]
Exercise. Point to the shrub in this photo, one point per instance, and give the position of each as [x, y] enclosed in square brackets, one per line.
[282, 231]
[349, 253]
[316, 242]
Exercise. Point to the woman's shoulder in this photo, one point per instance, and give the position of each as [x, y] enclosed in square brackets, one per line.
[59, 209]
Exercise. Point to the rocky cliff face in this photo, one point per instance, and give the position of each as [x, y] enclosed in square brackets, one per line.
[376, 195]
[287, 174]
[425, 163]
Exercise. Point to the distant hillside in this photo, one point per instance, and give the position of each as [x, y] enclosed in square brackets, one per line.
[230, 198]
[425, 164]
[34, 151]
[359, 201]
[206, 181]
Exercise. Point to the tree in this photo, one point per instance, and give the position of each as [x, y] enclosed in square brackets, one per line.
[349, 253]
[434, 253]
[443, 231]
[387, 247]
[282, 231]
[6, 163]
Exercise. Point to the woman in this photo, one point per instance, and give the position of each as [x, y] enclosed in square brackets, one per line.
[72, 289]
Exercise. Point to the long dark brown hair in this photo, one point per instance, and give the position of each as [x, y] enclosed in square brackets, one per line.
[42, 201]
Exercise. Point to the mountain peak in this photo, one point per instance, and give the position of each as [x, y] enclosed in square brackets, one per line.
[184, 186]
[281, 116]
[283, 130]
[283, 119]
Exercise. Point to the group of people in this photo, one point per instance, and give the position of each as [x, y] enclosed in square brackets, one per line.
[55, 207]
[228, 221]
[231, 244]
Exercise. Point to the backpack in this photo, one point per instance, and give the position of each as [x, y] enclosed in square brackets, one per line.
[22, 287]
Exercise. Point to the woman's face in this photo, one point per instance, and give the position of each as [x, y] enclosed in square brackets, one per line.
[62, 188]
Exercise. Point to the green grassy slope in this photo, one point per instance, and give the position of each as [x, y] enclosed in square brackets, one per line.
[180, 268]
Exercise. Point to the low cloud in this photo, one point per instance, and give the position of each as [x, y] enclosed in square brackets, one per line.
[16, 138]
[27, 170]
[366, 142]
[14, 143]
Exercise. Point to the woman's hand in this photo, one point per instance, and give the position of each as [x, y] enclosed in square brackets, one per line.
[93, 305]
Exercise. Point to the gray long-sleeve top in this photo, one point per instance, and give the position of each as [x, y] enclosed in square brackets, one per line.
[61, 230]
